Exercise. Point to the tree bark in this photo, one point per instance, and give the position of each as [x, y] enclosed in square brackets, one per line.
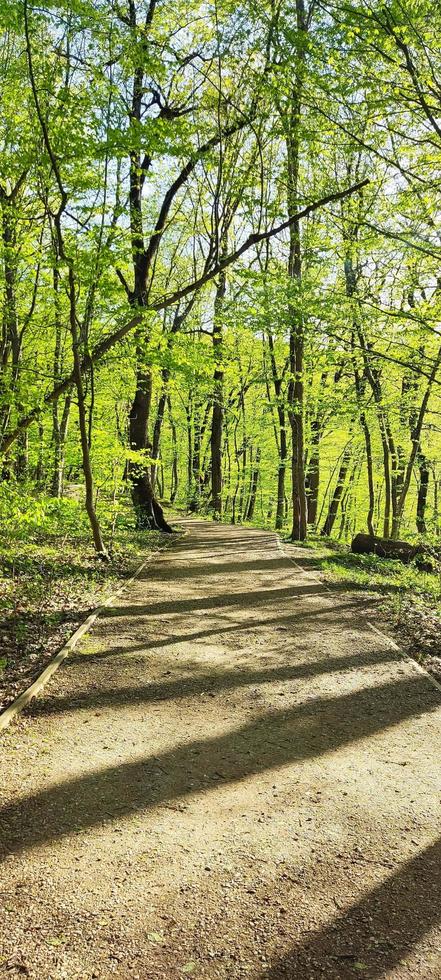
[296, 325]
[84, 434]
[249, 513]
[422, 494]
[218, 400]
[149, 513]
[312, 480]
[338, 493]
[392, 548]
[281, 435]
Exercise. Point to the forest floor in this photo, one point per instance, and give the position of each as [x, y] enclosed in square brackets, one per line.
[234, 776]
[49, 582]
[406, 599]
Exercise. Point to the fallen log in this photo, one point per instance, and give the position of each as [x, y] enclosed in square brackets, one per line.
[368, 544]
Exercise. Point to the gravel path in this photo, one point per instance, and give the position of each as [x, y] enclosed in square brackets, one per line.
[233, 777]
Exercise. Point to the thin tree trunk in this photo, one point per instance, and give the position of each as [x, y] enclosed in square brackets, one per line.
[423, 490]
[370, 473]
[416, 444]
[82, 418]
[359, 389]
[175, 458]
[157, 428]
[249, 513]
[338, 493]
[296, 325]
[313, 472]
[218, 399]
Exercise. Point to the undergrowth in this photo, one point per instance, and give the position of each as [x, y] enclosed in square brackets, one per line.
[386, 577]
[50, 577]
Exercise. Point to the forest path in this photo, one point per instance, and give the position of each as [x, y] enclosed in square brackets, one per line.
[233, 777]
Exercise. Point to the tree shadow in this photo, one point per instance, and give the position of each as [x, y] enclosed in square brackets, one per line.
[374, 935]
[210, 682]
[259, 597]
[281, 622]
[318, 726]
[203, 568]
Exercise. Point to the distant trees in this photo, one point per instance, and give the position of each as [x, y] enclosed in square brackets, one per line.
[220, 262]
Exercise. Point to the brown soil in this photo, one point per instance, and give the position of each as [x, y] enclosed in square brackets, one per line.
[44, 596]
[234, 777]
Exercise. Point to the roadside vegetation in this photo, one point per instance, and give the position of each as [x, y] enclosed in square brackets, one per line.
[220, 287]
[50, 579]
[405, 598]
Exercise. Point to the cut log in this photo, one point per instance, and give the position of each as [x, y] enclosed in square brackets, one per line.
[367, 544]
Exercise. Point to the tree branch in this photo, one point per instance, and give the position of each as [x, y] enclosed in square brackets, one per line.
[105, 345]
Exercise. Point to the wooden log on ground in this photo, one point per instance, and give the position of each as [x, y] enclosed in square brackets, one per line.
[368, 544]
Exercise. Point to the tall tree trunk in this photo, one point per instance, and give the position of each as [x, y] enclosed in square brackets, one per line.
[372, 376]
[249, 513]
[59, 426]
[82, 418]
[175, 458]
[39, 469]
[59, 436]
[423, 490]
[149, 513]
[157, 428]
[359, 390]
[218, 399]
[11, 346]
[338, 493]
[370, 473]
[280, 435]
[416, 430]
[296, 407]
[296, 397]
[313, 472]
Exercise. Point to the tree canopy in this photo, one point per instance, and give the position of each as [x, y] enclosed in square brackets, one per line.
[220, 260]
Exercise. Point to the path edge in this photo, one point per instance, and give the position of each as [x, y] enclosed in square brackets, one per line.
[392, 643]
[23, 699]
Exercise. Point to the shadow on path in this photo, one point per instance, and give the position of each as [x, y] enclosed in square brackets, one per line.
[215, 680]
[318, 726]
[373, 936]
[248, 599]
[327, 616]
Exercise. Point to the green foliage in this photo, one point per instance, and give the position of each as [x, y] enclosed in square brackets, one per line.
[240, 118]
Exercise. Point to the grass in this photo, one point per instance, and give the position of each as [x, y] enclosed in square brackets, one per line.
[382, 576]
[50, 577]
[408, 598]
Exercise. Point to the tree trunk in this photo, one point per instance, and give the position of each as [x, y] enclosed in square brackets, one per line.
[280, 435]
[59, 436]
[174, 466]
[84, 435]
[157, 428]
[371, 374]
[366, 544]
[149, 513]
[359, 389]
[313, 472]
[249, 513]
[296, 406]
[370, 473]
[218, 400]
[338, 493]
[422, 494]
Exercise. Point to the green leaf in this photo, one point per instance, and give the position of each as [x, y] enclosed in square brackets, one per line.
[189, 967]
[155, 937]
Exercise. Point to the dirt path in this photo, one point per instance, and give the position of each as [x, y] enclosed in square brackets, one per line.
[235, 777]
